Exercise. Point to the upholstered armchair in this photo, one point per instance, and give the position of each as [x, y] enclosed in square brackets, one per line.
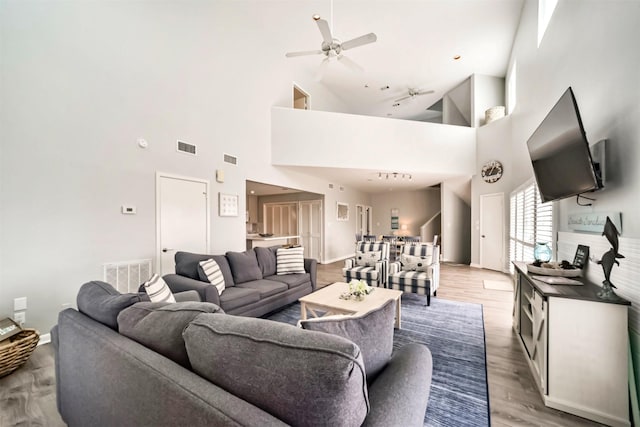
[417, 270]
[370, 263]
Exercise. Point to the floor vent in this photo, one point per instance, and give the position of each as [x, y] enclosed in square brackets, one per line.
[127, 276]
[228, 158]
[184, 147]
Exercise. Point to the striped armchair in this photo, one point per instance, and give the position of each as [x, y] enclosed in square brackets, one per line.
[426, 282]
[376, 255]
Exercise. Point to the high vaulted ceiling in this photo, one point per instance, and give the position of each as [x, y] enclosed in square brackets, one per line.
[415, 49]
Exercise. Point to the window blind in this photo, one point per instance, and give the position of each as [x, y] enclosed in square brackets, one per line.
[531, 221]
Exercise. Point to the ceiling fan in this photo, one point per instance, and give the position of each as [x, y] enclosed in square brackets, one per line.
[332, 47]
[413, 93]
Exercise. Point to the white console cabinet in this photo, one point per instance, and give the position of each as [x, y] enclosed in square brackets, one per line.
[576, 347]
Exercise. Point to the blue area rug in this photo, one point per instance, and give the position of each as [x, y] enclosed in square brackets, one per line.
[454, 332]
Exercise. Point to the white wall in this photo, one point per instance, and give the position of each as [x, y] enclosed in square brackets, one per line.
[81, 81]
[487, 92]
[399, 144]
[414, 209]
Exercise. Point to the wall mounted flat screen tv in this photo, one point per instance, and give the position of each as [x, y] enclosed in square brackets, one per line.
[562, 162]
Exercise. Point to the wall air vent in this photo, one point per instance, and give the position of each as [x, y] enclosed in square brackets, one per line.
[341, 188]
[186, 148]
[330, 185]
[228, 158]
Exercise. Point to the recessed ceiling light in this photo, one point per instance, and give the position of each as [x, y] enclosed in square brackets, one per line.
[316, 17]
[366, 85]
[252, 192]
[457, 57]
[384, 87]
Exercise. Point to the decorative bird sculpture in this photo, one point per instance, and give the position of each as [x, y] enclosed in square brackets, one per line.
[609, 259]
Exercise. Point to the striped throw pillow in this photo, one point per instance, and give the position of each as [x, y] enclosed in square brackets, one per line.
[158, 290]
[214, 274]
[290, 260]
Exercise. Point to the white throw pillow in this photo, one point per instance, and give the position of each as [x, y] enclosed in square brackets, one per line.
[290, 260]
[158, 290]
[214, 274]
[415, 263]
[368, 259]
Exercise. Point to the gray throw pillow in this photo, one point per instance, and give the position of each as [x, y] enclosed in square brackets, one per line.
[244, 266]
[188, 265]
[372, 332]
[102, 302]
[159, 325]
[302, 377]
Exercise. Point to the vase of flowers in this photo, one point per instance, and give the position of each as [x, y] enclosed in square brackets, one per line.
[359, 289]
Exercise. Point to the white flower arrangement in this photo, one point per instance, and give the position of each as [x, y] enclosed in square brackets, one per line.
[357, 290]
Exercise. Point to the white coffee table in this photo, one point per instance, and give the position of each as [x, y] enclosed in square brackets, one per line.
[328, 300]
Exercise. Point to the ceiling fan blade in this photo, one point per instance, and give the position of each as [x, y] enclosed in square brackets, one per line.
[424, 92]
[323, 26]
[403, 98]
[323, 66]
[359, 41]
[302, 53]
[350, 64]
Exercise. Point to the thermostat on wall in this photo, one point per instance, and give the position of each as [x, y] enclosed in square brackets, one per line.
[128, 210]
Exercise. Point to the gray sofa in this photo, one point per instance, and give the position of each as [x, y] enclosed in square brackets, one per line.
[252, 286]
[188, 363]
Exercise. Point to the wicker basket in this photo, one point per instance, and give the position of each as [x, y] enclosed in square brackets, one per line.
[15, 351]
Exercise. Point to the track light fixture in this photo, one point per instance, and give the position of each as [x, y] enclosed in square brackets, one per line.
[395, 175]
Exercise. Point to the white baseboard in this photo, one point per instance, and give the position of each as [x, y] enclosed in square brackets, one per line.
[44, 339]
[474, 265]
[329, 261]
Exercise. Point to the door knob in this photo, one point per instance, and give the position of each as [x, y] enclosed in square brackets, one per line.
[170, 249]
[483, 236]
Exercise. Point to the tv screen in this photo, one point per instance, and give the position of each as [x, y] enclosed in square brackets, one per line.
[560, 154]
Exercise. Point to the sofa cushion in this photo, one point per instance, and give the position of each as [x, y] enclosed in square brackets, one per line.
[159, 325]
[301, 377]
[290, 260]
[187, 265]
[291, 280]
[214, 275]
[235, 297]
[244, 266]
[158, 290]
[372, 332]
[102, 302]
[267, 260]
[265, 287]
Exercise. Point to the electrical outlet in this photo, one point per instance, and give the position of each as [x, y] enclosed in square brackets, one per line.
[20, 317]
[20, 304]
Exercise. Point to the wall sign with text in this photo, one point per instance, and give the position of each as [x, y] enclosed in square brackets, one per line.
[594, 222]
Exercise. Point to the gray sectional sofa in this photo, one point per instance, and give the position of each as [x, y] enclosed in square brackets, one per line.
[252, 286]
[122, 362]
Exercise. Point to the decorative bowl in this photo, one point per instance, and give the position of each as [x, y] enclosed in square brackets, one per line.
[265, 234]
[554, 271]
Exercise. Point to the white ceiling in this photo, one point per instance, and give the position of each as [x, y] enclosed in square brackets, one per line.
[416, 43]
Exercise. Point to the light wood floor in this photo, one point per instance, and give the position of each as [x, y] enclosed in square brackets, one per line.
[27, 396]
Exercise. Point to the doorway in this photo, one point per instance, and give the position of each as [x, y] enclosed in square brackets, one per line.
[300, 98]
[364, 219]
[492, 231]
[182, 218]
[311, 228]
[281, 218]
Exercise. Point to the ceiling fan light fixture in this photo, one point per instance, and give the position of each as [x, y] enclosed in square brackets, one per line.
[457, 57]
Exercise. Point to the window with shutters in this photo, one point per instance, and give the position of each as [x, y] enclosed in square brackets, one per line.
[531, 221]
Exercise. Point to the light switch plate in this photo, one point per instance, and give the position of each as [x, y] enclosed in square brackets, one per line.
[220, 175]
[20, 304]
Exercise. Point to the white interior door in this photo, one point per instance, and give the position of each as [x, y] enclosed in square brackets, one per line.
[364, 215]
[281, 219]
[492, 231]
[182, 218]
[311, 228]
